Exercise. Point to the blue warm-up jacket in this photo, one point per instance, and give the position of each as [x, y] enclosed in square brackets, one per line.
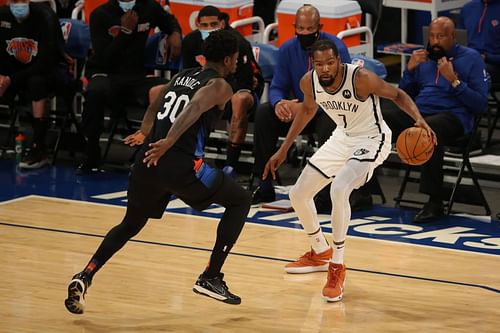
[433, 93]
[481, 18]
[293, 62]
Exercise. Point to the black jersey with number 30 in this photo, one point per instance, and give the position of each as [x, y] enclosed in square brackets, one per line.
[181, 91]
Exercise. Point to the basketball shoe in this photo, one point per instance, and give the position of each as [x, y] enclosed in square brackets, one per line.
[215, 288]
[310, 262]
[334, 287]
[77, 289]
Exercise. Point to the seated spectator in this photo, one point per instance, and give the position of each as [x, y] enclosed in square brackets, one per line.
[266, 9]
[449, 85]
[481, 18]
[119, 30]
[247, 82]
[30, 36]
[273, 119]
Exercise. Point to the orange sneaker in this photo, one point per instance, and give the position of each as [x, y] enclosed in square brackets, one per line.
[310, 262]
[334, 287]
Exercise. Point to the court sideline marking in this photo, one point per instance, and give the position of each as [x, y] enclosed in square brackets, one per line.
[488, 288]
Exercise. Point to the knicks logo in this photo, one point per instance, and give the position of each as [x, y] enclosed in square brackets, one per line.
[23, 49]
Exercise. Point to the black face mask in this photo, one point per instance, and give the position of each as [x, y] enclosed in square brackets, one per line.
[436, 52]
[306, 41]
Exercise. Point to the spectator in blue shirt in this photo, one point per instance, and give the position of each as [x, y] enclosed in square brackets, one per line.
[449, 84]
[481, 18]
[273, 119]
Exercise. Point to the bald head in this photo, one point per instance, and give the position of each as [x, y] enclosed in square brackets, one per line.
[442, 33]
[309, 12]
[307, 21]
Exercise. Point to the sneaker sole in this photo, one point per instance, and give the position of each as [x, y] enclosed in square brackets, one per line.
[335, 299]
[75, 302]
[306, 269]
[202, 291]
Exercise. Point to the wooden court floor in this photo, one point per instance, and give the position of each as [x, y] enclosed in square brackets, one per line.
[146, 287]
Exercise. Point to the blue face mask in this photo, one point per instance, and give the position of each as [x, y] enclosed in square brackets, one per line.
[205, 33]
[126, 5]
[20, 10]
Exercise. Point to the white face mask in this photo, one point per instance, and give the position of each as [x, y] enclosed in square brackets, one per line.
[205, 33]
[126, 5]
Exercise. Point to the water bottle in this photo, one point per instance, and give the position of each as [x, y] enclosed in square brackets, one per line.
[19, 147]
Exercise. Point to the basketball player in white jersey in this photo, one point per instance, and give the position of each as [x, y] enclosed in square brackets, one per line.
[361, 141]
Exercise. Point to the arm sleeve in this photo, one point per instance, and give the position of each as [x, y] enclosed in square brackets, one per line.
[281, 83]
[474, 93]
[106, 48]
[48, 48]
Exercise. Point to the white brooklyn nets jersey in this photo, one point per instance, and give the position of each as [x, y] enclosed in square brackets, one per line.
[351, 114]
[361, 133]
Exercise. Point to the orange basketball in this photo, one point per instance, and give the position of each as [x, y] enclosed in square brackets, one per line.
[414, 146]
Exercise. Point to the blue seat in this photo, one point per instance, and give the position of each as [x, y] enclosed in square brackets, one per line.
[76, 35]
[369, 63]
[156, 57]
[267, 57]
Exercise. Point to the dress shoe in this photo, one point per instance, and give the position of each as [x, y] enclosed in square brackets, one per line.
[259, 196]
[430, 212]
[360, 200]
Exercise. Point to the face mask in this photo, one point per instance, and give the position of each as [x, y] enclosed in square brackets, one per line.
[205, 33]
[126, 6]
[306, 41]
[435, 52]
[20, 10]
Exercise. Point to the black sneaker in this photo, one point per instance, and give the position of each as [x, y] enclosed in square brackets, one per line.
[259, 196]
[92, 160]
[77, 288]
[34, 159]
[215, 288]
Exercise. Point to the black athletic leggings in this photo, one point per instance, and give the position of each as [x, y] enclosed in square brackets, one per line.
[233, 197]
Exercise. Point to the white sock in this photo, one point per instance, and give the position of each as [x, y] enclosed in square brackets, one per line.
[338, 252]
[318, 241]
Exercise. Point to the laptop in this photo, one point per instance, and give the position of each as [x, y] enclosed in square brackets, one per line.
[460, 36]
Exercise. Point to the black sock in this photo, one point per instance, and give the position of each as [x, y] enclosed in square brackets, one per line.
[217, 259]
[233, 154]
[40, 126]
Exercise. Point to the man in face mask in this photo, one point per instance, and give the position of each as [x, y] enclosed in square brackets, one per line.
[29, 56]
[119, 30]
[273, 119]
[449, 86]
[247, 82]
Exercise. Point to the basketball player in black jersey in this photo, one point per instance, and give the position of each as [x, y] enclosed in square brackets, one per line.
[170, 162]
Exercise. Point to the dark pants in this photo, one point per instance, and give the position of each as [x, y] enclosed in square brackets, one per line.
[114, 92]
[268, 128]
[448, 129]
[494, 71]
[34, 88]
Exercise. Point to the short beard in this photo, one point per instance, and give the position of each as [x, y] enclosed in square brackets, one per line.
[326, 83]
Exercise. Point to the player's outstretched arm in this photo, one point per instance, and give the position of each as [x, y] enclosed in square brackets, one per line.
[369, 83]
[303, 114]
[217, 92]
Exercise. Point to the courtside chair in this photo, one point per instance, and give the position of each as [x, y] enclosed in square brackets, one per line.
[458, 155]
